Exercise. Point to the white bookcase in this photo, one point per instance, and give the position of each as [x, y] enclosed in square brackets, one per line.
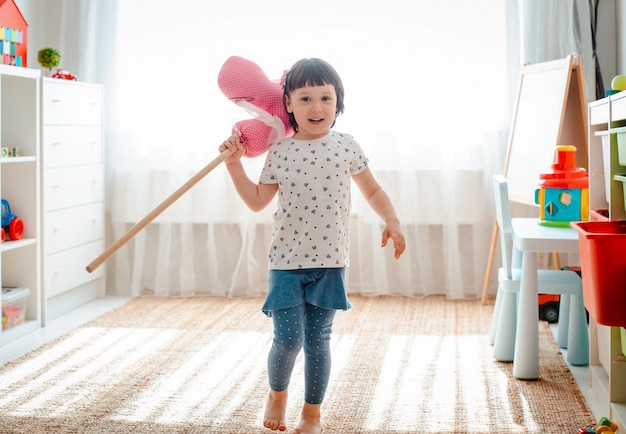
[19, 185]
[56, 186]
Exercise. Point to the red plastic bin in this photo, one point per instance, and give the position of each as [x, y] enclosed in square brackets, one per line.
[602, 247]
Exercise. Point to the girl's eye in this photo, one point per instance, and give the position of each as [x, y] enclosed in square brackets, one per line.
[326, 98]
[306, 99]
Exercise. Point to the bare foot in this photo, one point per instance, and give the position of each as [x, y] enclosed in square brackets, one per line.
[275, 411]
[310, 420]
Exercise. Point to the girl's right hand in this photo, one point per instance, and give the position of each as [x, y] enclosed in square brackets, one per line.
[235, 145]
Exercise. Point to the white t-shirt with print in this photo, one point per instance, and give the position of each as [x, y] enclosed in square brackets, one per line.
[312, 221]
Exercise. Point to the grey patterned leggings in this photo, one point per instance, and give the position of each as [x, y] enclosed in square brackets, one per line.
[305, 326]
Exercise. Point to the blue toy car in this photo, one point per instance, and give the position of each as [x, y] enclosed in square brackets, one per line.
[12, 226]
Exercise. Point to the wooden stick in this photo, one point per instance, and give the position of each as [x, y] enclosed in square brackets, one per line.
[156, 211]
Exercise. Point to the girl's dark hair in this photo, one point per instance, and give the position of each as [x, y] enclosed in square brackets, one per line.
[312, 72]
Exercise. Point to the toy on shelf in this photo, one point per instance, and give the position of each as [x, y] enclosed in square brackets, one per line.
[10, 152]
[12, 226]
[13, 306]
[13, 34]
[64, 74]
[563, 194]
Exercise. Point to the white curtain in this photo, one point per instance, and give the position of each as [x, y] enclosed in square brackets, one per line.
[554, 29]
[428, 96]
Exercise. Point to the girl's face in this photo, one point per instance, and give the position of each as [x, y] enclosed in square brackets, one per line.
[314, 108]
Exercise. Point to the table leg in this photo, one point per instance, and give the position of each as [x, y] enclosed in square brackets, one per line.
[526, 359]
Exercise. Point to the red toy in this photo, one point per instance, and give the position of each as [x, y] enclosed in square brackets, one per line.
[12, 225]
[15, 29]
[64, 74]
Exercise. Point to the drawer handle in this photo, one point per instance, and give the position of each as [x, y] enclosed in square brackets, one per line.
[55, 100]
[56, 143]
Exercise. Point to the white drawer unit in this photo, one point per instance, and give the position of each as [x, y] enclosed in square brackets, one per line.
[72, 192]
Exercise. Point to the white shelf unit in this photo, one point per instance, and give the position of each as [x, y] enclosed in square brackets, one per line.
[607, 364]
[19, 185]
[72, 175]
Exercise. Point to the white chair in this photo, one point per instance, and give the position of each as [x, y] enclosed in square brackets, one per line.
[572, 327]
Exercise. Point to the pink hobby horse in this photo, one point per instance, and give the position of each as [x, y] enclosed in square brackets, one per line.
[244, 83]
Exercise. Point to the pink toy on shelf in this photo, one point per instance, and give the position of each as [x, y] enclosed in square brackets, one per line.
[244, 83]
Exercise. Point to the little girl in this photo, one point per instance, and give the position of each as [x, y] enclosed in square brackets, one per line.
[311, 173]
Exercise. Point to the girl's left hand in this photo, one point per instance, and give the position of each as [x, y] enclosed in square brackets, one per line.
[392, 231]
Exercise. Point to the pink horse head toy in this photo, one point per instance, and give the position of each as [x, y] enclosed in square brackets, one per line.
[245, 83]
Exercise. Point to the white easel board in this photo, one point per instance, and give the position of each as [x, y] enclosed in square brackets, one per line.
[551, 110]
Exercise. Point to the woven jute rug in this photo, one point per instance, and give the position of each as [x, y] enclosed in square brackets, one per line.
[197, 365]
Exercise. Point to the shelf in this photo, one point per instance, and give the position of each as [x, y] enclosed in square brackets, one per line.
[14, 160]
[607, 367]
[12, 245]
[57, 126]
[18, 331]
[16, 71]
